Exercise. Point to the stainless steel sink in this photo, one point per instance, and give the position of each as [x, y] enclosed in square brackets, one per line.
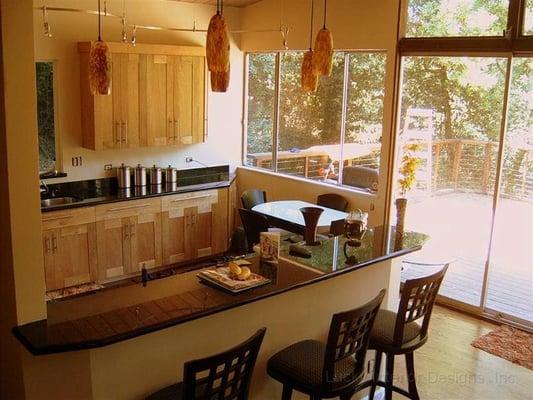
[58, 201]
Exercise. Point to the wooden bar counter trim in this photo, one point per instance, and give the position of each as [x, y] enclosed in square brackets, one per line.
[132, 311]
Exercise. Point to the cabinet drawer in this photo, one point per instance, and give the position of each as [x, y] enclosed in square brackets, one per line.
[203, 200]
[126, 209]
[63, 218]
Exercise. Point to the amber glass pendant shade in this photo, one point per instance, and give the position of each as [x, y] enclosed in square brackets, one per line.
[309, 78]
[217, 45]
[99, 69]
[323, 53]
[220, 81]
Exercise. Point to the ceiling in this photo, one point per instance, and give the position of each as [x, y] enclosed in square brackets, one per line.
[230, 3]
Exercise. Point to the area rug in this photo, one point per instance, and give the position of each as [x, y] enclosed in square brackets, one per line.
[509, 343]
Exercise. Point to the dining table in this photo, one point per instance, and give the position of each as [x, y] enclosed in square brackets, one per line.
[286, 214]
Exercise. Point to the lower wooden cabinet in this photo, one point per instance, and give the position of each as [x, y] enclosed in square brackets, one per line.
[69, 247]
[128, 237]
[112, 241]
[194, 225]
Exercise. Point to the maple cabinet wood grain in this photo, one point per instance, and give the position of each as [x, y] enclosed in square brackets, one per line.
[158, 97]
[69, 248]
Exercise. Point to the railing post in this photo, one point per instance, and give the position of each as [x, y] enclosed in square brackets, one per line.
[457, 162]
[486, 167]
[436, 164]
[306, 166]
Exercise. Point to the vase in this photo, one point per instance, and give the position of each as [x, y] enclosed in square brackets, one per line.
[401, 206]
[311, 217]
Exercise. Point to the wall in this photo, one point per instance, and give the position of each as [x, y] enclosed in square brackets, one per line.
[355, 25]
[223, 145]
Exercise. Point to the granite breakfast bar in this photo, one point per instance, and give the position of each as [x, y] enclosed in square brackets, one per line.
[148, 332]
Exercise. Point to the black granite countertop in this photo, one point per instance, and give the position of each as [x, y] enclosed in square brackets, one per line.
[102, 191]
[114, 315]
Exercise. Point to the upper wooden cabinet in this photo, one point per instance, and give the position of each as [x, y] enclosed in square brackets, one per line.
[158, 98]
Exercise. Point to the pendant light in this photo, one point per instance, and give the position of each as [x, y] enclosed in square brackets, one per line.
[323, 53]
[99, 64]
[220, 81]
[309, 78]
[217, 43]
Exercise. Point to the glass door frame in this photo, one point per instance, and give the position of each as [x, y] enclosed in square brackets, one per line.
[512, 44]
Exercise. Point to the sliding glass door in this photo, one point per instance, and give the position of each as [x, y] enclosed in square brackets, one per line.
[510, 274]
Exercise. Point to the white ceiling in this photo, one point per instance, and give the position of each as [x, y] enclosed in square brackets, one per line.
[230, 3]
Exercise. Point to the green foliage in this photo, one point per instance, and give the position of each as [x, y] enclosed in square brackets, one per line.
[408, 168]
[45, 114]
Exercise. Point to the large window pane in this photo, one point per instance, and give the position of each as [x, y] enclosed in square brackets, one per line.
[261, 94]
[45, 115]
[510, 288]
[451, 110]
[310, 134]
[444, 18]
[364, 120]
[528, 18]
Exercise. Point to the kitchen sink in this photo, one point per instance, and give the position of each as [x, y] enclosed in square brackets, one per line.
[57, 201]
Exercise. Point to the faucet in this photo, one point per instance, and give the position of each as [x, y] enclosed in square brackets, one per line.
[43, 188]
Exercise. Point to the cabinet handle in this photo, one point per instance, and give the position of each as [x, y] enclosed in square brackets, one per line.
[202, 196]
[54, 243]
[193, 219]
[47, 244]
[117, 133]
[128, 207]
[57, 218]
[126, 231]
[132, 230]
[170, 129]
[175, 125]
[124, 131]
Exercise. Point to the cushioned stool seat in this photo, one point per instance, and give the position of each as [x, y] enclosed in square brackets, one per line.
[303, 362]
[383, 331]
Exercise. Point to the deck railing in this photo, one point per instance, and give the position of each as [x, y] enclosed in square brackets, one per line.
[456, 165]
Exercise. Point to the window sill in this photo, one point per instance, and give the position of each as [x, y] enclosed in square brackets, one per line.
[347, 189]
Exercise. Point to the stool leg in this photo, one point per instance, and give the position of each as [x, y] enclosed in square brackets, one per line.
[411, 376]
[287, 392]
[375, 377]
[389, 375]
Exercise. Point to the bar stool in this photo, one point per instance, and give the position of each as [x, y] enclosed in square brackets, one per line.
[223, 376]
[331, 369]
[399, 333]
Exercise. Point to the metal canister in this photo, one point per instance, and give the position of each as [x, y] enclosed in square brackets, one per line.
[156, 176]
[124, 177]
[171, 175]
[139, 175]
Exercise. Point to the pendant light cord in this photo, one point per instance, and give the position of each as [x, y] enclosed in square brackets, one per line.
[99, 23]
[312, 18]
[325, 12]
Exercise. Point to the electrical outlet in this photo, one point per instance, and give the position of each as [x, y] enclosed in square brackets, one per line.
[108, 167]
[188, 160]
[77, 161]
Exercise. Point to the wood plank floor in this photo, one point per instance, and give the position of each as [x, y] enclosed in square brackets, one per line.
[449, 368]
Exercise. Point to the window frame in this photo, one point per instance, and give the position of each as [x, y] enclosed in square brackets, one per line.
[276, 115]
[57, 128]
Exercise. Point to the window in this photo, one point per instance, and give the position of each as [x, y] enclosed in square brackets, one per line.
[311, 141]
[45, 115]
[446, 18]
[528, 18]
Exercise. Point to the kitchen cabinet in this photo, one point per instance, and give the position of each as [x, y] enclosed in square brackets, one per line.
[69, 247]
[194, 225]
[112, 122]
[158, 98]
[128, 237]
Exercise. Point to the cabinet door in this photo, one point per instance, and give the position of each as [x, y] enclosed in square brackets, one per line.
[198, 100]
[154, 129]
[145, 236]
[52, 280]
[184, 98]
[173, 235]
[126, 99]
[114, 247]
[75, 254]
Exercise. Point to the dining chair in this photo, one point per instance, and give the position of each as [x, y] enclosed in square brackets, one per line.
[252, 197]
[253, 223]
[331, 369]
[399, 333]
[332, 200]
[224, 376]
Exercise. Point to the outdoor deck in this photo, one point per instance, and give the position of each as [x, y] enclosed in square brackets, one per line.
[459, 226]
